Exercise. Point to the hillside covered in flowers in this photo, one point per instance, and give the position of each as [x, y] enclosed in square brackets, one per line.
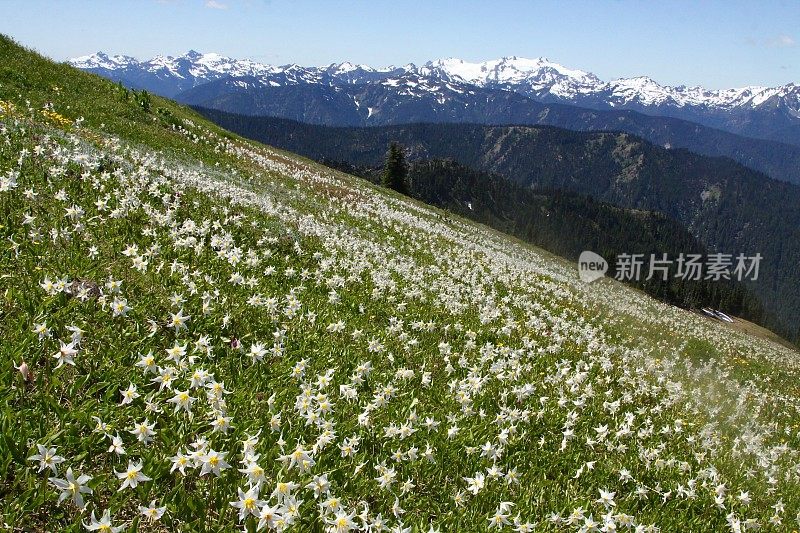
[201, 333]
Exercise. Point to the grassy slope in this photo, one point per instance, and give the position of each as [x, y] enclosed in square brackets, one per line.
[336, 273]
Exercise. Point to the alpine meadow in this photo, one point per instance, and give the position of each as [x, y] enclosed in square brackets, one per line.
[203, 333]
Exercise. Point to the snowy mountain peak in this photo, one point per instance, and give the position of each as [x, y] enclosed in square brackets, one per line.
[533, 77]
[102, 60]
[343, 68]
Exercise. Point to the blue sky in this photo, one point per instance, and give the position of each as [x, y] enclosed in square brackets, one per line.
[716, 44]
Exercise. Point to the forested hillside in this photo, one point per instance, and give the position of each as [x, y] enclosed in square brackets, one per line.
[379, 105]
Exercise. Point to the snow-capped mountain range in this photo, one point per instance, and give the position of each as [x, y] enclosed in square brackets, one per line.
[766, 112]
[538, 77]
[541, 77]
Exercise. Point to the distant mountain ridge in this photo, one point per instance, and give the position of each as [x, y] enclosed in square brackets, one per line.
[763, 112]
[381, 104]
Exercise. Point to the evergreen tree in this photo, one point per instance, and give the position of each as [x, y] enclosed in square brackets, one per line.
[143, 98]
[395, 169]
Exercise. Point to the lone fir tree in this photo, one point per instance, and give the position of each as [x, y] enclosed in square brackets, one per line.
[395, 169]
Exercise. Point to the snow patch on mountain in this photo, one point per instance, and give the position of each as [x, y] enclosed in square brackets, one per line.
[102, 60]
[512, 70]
